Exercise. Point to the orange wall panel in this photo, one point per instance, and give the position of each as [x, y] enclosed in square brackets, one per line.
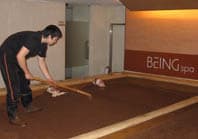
[166, 34]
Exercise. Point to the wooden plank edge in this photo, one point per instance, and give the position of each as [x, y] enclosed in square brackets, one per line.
[98, 133]
[70, 82]
[163, 78]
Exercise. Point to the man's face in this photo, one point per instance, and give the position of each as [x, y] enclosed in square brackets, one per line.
[51, 41]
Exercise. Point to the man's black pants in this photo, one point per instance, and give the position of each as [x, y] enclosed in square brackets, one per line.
[16, 84]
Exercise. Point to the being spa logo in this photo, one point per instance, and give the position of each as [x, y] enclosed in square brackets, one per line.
[172, 64]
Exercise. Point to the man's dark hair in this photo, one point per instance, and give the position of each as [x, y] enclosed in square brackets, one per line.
[52, 30]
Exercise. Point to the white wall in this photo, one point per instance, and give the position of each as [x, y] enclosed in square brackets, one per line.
[19, 15]
[100, 19]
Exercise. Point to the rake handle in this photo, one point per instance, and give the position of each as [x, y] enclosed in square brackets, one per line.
[62, 87]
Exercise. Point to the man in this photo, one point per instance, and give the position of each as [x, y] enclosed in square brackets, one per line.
[14, 52]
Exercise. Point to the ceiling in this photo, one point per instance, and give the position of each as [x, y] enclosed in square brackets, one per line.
[87, 2]
[99, 2]
[160, 4]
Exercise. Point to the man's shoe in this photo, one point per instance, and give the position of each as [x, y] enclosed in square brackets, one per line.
[18, 122]
[31, 108]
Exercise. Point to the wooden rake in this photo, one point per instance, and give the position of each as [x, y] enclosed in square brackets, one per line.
[56, 85]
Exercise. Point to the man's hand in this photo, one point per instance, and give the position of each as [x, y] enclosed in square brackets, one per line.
[52, 82]
[29, 76]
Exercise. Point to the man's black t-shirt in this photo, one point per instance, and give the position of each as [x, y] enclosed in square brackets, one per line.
[29, 39]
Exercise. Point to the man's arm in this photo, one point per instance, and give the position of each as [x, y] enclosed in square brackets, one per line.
[22, 62]
[44, 68]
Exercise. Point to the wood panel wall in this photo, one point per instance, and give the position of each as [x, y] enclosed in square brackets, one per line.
[160, 4]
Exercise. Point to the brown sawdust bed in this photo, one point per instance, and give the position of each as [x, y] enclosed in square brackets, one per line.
[72, 114]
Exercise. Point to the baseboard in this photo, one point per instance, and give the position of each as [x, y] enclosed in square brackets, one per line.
[163, 78]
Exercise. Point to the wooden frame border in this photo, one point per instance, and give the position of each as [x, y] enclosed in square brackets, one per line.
[98, 133]
[138, 119]
[70, 82]
[163, 78]
[155, 77]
